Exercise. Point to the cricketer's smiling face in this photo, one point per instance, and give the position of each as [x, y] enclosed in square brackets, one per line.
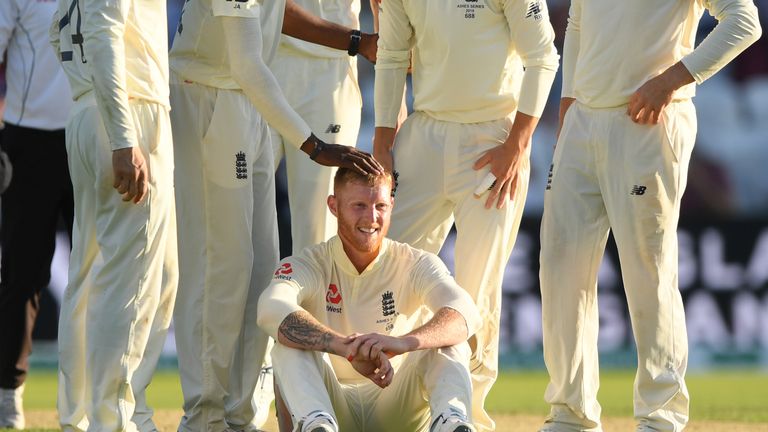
[363, 214]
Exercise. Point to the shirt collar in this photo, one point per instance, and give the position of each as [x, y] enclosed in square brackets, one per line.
[342, 260]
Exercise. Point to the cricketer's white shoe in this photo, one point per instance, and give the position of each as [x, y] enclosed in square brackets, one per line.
[11, 409]
[451, 421]
[319, 421]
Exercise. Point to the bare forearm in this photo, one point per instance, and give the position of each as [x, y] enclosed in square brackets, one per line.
[302, 331]
[303, 25]
[675, 77]
[565, 103]
[522, 130]
[375, 12]
[446, 328]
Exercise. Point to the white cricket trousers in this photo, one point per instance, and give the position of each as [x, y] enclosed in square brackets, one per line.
[325, 93]
[612, 174]
[228, 249]
[435, 159]
[428, 383]
[123, 274]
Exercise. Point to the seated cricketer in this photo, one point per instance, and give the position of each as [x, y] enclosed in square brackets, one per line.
[350, 355]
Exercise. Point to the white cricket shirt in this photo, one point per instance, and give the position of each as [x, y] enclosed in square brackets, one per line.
[468, 58]
[384, 298]
[199, 51]
[123, 55]
[613, 47]
[37, 94]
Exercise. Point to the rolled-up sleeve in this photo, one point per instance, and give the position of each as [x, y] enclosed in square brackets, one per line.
[533, 39]
[392, 61]
[278, 301]
[290, 287]
[434, 283]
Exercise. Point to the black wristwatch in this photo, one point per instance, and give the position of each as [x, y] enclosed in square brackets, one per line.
[354, 42]
[319, 146]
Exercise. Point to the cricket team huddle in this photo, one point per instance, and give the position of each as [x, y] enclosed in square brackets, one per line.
[172, 156]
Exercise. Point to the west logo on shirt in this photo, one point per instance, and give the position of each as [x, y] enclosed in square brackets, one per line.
[333, 299]
[283, 272]
[469, 7]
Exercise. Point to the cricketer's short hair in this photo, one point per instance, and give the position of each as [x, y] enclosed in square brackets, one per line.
[347, 175]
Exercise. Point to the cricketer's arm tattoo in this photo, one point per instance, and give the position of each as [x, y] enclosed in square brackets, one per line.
[301, 330]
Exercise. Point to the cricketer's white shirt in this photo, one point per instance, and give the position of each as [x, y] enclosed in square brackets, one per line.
[344, 12]
[38, 94]
[385, 298]
[199, 51]
[468, 58]
[123, 55]
[613, 47]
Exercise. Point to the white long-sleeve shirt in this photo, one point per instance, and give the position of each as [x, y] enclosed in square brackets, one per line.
[123, 54]
[385, 298]
[201, 53]
[344, 12]
[468, 58]
[613, 47]
[38, 94]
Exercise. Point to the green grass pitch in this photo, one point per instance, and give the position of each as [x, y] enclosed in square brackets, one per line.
[724, 395]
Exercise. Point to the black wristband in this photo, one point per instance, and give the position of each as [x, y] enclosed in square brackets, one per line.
[354, 42]
[319, 146]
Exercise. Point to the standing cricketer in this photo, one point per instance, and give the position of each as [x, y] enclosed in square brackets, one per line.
[123, 266]
[395, 374]
[475, 112]
[223, 95]
[627, 131]
[320, 83]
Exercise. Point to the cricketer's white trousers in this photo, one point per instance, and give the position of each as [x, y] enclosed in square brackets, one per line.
[325, 93]
[228, 251]
[123, 274]
[435, 159]
[612, 174]
[428, 383]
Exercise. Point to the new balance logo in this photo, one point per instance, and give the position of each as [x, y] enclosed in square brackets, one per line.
[333, 128]
[638, 190]
[534, 10]
[241, 166]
